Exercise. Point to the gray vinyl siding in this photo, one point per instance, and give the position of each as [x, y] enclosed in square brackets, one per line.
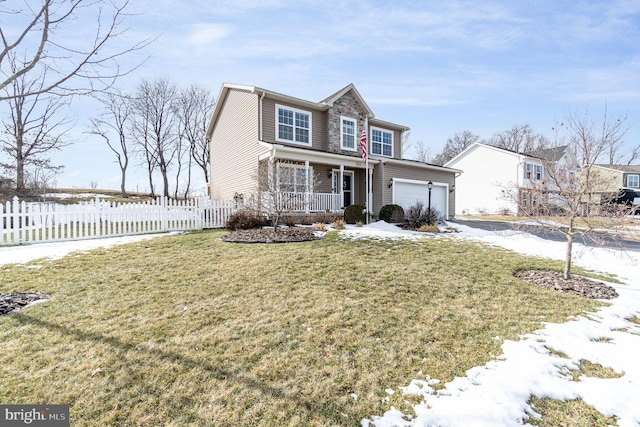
[318, 125]
[383, 195]
[397, 140]
[234, 146]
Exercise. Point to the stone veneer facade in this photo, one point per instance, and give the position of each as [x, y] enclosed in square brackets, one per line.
[348, 106]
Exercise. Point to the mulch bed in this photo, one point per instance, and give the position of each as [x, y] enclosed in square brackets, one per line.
[16, 300]
[267, 235]
[576, 285]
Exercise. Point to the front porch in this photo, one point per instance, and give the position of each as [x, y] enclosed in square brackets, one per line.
[312, 181]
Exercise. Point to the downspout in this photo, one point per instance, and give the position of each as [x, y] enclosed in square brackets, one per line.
[260, 114]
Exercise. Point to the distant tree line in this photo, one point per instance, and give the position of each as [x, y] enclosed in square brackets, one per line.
[162, 127]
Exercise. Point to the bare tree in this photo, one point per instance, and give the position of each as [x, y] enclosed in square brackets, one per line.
[51, 45]
[520, 138]
[566, 190]
[284, 187]
[112, 127]
[35, 126]
[455, 146]
[154, 126]
[422, 153]
[194, 108]
[182, 151]
[633, 155]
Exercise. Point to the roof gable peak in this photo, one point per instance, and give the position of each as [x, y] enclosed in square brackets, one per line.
[331, 99]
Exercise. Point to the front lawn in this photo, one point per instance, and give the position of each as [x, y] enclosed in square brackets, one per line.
[190, 330]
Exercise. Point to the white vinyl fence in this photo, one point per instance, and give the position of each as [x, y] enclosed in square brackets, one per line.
[22, 222]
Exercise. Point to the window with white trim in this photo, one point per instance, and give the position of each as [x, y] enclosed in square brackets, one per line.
[293, 125]
[348, 133]
[633, 181]
[293, 178]
[381, 142]
[533, 171]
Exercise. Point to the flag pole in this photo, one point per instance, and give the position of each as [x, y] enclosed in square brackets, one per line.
[366, 125]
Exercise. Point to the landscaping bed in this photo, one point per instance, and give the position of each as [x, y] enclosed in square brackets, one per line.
[268, 235]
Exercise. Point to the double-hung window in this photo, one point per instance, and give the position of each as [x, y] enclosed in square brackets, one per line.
[293, 125]
[348, 134]
[293, 178]
[381, 142]
[533, 171]
[633, 181]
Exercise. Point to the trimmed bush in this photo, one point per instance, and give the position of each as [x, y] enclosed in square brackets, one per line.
[392, 213]
[244, 219]
[353, 213]
[417, 216]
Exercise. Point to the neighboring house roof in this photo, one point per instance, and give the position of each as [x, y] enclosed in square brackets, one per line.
[477, 145]
[621, 168]
[323, 105]
[553, 154]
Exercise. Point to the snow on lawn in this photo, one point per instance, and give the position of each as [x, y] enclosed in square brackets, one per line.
[496, 394]
[55, 250]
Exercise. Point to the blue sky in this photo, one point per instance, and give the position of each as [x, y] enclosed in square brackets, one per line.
[438, 67]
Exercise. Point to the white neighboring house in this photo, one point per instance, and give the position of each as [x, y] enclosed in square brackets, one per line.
[491, 174]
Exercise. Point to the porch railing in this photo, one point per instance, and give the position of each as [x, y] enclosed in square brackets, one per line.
[309, 202]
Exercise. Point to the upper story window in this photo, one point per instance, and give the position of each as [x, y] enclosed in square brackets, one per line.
[533, 171]
[633, 181]
[381, 142]
[348, 133]
[293, 125]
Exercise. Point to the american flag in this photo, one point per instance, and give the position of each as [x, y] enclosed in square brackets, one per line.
[363, 145]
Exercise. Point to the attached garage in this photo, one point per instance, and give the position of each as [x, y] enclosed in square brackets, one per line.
[407, 192]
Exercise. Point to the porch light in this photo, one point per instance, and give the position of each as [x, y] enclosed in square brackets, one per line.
[390, 182]
[452, 189]
[330, 174]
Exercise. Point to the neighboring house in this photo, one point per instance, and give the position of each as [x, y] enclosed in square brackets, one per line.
[251, 126]
[614, 177]
[493, 177]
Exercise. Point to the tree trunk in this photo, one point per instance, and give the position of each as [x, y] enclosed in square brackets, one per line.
[123, 171]
[567, 261]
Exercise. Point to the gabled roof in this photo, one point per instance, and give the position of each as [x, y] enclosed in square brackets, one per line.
[339, 94]
[621, 168]
[477, 145]
[323, 105]
[552, 154]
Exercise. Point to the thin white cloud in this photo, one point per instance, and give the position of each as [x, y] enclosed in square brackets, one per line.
[205, 34]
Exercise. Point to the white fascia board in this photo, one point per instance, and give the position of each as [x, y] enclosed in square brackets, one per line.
[301, 154]
[417, 164]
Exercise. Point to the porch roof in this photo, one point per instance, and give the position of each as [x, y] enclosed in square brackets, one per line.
[314, 156]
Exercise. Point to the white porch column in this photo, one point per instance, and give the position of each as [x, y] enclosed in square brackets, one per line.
[370, 190]
[307, 195]
[340, 184]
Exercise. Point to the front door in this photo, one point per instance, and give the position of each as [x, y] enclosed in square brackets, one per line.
[347, 189]
[347, 186]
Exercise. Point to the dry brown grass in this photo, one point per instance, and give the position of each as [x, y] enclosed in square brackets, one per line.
[189, 330]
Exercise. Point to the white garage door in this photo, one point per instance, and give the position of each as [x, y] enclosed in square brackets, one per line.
[406, 193]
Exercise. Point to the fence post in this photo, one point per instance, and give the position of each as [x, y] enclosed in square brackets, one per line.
[164, 213]
[15, 221]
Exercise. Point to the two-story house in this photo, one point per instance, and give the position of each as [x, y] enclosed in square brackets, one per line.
[496, 180]
[317, 144]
